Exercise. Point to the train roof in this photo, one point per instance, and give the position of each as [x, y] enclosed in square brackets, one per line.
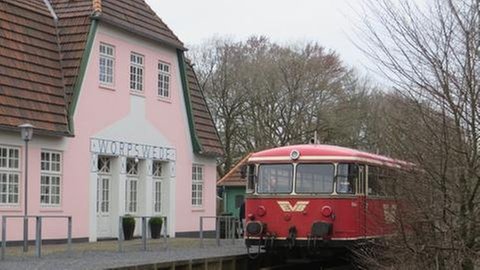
[323, 152]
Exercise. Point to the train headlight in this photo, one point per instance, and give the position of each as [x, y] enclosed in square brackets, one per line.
[294, 155]
[327, 211]
[255, 228]
[261, 211]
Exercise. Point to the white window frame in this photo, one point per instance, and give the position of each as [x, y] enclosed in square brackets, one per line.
[107, 58]
[164, 80]
[104, 164]
[198, 173]
[137, 72]
[131, 187]
[50, 170]
[157, 175]
[103, 204]
[11, 172]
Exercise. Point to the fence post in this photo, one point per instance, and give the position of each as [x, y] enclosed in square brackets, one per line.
[120, 234]
[144, 232]
[217, 230]
[69, 239]
[227, 227]
[4, 236]
[233, 221]
[201, 232]
[38, 236]
[165, 231]
[25, 233]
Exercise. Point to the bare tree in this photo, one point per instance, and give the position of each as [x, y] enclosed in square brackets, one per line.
[430, 53]
[266, 95]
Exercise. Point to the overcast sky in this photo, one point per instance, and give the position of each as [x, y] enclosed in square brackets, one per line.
[329, 22]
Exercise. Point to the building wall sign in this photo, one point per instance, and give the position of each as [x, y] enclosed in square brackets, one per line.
[128, 149]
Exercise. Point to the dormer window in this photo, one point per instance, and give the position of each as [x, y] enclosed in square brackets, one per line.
[107, 64]
[137, 67]
[163, 80]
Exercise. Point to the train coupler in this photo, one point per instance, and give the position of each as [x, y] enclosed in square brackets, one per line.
[270, 241]
[292, 236]
[251, 255]
[312, 241]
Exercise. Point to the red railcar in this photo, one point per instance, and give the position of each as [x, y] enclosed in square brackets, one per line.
[316, 196]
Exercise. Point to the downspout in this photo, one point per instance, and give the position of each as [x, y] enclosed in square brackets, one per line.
[197, 147]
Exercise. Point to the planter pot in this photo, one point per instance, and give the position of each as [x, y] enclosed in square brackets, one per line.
[155, 230]
[128, 229]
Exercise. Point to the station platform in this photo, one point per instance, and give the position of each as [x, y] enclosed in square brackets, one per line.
[180, 253]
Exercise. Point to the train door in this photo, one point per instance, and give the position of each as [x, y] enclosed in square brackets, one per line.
[362, 201]
[347, 207]
[375, 201]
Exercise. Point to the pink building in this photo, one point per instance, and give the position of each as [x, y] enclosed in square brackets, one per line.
[121, 125]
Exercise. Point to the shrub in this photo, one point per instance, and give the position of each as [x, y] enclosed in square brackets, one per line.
[156, 220]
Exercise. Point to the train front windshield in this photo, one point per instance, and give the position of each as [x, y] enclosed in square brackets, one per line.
[275, 178]
[315, 178]
[310, 178]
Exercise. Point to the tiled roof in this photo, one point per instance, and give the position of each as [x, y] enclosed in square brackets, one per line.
[137, 16]
[233, 177]
[73, 26]
[204, 126]
[31, 86]
[40, 60]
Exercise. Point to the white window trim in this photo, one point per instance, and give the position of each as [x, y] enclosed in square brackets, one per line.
[132, 177]
[52, 173]
[128, 197]
[155, 182]
[107, 56]
[157, 179]
[166, 74]
[138, 66]
[201, 183]
[104, 172]
[104, 204]
[8, 170]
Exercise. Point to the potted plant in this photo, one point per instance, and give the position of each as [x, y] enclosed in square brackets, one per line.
[155, 224]
[128, 227]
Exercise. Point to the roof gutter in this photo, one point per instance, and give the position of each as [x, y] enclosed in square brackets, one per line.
[43, 132]
[197, 147]
[57, 34]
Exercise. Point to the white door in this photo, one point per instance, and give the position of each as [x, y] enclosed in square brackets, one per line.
[103, 206]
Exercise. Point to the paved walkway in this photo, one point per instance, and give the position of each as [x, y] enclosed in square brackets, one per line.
[104, 254]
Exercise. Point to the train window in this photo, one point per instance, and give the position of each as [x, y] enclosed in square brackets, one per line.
[347, 175]
[250, 178]
[314, 178]
[361, 180]
[275, 178]
[376, 181]
[390, 183]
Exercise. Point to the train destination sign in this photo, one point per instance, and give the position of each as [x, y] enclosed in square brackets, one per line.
[129, 149]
